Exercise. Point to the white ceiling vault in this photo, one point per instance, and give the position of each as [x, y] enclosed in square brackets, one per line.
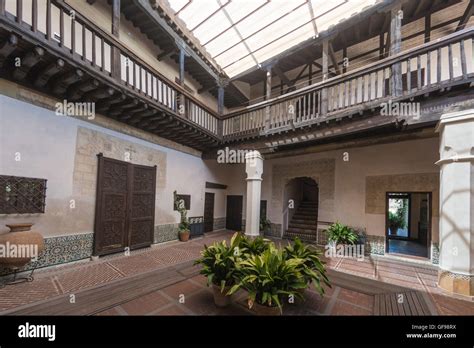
[241, 34]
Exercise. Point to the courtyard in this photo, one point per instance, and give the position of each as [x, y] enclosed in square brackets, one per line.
[162, 280]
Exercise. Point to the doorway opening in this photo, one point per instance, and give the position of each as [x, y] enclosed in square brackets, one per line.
[408, 223]
[300, 208]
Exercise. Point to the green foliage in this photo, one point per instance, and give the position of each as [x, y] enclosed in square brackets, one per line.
[342, 234]
[180, 207]
[255, 246]
[219, 261]
[265, 224]
[269, 277]
[399, 218]
[312, 268]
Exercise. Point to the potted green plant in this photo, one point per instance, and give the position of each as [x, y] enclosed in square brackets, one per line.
[265, 225]
[341, 234]
[395, 221]
[253, 246]
[183, 228]
[312, 268]
[218, 265]
[268, 278]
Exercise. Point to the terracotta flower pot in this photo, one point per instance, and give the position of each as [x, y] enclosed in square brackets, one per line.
[220, 298]
[184, 235]
[259, 309]
[21, 237]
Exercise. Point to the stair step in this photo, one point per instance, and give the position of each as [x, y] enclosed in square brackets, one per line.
[302, 236]
[303, 226]
[311, 222]
[301, 230]
[304, 217]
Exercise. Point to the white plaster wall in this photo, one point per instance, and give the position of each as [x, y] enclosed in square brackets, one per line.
[47, 146]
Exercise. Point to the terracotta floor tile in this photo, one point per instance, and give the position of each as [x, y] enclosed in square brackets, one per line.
[145, 304]
[358, 298]
[171, 310]
[111, 311]
[185, 288]
[343, 308]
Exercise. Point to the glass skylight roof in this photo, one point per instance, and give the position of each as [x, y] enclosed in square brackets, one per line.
[240, 34]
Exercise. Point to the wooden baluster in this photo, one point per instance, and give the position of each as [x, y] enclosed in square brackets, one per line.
[450, 61]
[349, 99]
[73, 35]
[84, 44]
[376, 85]
[127, 71]
[369, 89]
[384, 74]
[463, 59]
[34, 16]
[408, 75]
[319, 103]
[48, 20]
[102, 55]
[2, 7]
[363, 89]
[418, 72]
[428, 69]
[61, 27]
[356, 92]
[19, 11]
[438, 66]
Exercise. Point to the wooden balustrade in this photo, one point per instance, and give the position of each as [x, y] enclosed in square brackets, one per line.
[57, 23]
[434, 65]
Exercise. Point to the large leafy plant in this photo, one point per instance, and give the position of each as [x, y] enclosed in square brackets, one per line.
[312, 268]
[219, 261]
[341, 234]
[269, 277]
[181, 208]
[254, 246]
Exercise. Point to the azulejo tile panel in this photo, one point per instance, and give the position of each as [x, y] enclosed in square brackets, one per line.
[60, 250]
[165, 233]
[435, 253]
[219, 223]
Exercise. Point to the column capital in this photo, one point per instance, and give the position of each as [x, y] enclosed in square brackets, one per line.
[222, 82]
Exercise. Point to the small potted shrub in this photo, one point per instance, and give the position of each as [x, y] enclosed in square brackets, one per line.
[218, 265]
[341, 234]
[312, 268]
[265, 225]
[253, 246]
[269, 278]
[183, 228]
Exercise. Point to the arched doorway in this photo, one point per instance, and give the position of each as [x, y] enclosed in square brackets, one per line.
[300, 208]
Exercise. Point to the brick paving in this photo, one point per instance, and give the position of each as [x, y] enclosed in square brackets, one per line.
[191, 296]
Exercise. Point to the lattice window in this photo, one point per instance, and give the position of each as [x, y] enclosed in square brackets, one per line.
[19, 195]
[186, 199]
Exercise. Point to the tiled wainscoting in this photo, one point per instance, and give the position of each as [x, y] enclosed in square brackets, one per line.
[219, 223]
[166, 233]
[60, 250]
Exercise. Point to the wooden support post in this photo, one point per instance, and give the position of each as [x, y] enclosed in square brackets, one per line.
[427, 27]
[182, 57]
[116, 18]
[220, 105]
[324, 91]
[395, 47]
[268, 93]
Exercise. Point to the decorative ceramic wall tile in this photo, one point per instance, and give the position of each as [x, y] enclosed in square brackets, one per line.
[219, 223]
[60, 250]
[274, 231]
[435, 253]
[165, 233]
[375, 245]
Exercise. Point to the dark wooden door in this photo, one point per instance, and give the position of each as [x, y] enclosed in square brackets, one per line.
[125, 206]
[234, 213]
[142, 206]
[209, 212]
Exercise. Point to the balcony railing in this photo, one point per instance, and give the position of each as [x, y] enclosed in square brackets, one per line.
[431, 66]
[57, 24]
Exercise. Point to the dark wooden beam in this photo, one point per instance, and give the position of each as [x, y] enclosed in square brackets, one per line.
[101, 93]
[466, 15]
[395, 48]
[7, 47]
[166, 53]
[45, 74]
[76, 91]
[333, 58]
[29, 60]
[427, 28]
[116, 18]
[63, 82]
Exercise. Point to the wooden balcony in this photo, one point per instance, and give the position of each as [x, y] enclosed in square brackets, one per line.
[433, 68]
[64, 54]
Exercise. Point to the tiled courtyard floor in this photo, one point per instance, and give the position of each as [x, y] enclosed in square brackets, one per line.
[162, 281]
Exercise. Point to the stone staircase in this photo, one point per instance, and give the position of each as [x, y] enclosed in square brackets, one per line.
[304, 223]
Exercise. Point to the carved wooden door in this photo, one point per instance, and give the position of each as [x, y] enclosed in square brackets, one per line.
[125, 206]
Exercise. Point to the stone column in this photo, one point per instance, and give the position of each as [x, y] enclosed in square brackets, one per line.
[254, 170]
[456, 225]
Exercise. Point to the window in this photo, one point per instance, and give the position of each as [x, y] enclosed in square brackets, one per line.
[19, 195]
[186, 199]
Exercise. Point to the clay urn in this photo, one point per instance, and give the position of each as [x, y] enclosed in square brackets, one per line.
[20, 245]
